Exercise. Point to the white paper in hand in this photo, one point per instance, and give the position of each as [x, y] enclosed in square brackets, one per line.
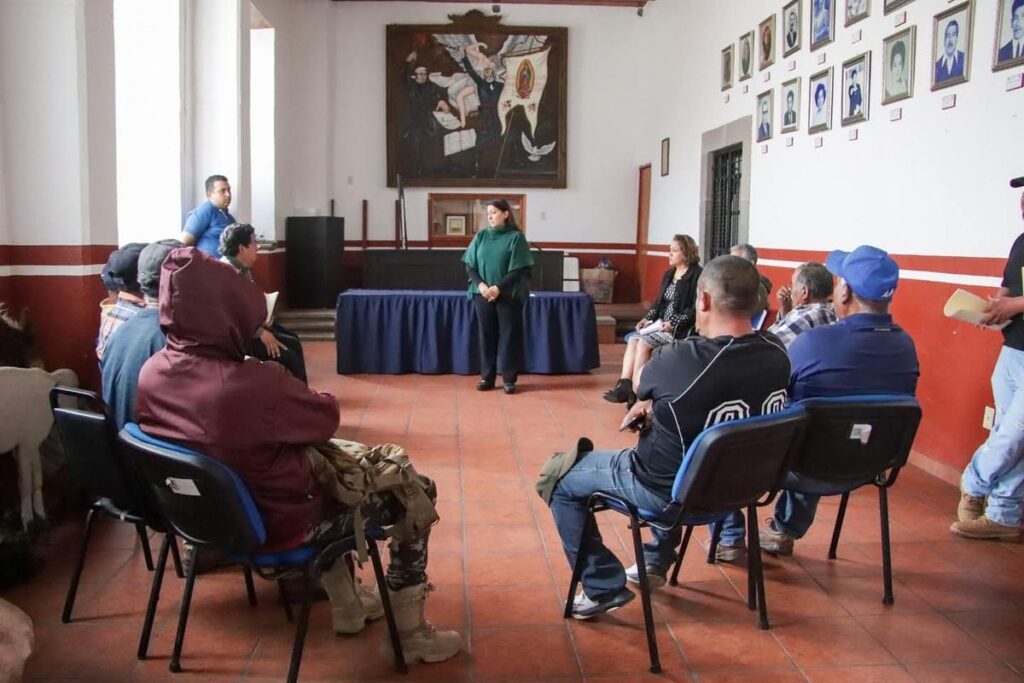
[271, 305]
[653, 327]
[970, 308]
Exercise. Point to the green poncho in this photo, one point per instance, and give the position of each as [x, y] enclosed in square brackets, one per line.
[494, 253]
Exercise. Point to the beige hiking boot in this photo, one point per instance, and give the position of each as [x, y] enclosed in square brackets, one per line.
[985, 528]
[970, 507]
[420, 640]
[352, 604]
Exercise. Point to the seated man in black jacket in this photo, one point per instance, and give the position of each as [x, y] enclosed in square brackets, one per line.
[728, 372]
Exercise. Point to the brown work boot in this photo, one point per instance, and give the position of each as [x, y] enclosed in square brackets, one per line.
[970, 507]
[352, 604]
[985, 528]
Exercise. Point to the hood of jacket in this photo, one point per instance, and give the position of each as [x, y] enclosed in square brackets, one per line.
[206, 309]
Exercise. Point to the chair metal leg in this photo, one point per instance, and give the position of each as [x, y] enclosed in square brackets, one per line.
[154, 595]
[645, 595]
[389, 616]
[250, 589]
[577, 569]
[285, 601]
[839, 526]
[716, 533]
[300, 629]
[756, 567]
[883, 509]
[674, 580]
[147, 553]
[179, 572]
[186, 602]
[69, 601]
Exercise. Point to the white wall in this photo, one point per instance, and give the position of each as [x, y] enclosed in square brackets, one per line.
[933, 183]
[147, 37]
[56, 66]
[335, 91]
[261, 121]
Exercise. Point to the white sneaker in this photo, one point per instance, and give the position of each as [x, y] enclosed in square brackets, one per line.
[655, 576]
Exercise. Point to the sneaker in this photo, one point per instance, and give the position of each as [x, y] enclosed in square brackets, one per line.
[585, 608]
[729, 553]
[655, 576]
[774, 542]
[970, 507]
[983, 527]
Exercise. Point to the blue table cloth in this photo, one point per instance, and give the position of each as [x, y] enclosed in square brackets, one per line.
[435, 332]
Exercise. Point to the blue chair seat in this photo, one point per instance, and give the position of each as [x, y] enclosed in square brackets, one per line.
[294, 557]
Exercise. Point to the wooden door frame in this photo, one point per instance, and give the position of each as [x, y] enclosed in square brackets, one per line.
[642, 233]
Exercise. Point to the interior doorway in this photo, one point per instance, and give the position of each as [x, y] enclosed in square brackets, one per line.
[643, 213]
[726, 175]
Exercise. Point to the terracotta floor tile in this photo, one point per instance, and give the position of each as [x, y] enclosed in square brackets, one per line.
[1001, 631]
[714, 646]
[753, 676]
[512, 541]
[621, 648]
[98, 650]
[860, 674]
[504, 570]
[831, 641]
[863, 595]
[928, 638]
[964, 672]
[702, 601]
[523, 653]
[525, 605]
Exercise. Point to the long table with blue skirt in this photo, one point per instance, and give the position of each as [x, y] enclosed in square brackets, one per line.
[435, 332]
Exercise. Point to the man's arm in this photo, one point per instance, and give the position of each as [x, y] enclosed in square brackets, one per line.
[196, 224]
[1002, 307]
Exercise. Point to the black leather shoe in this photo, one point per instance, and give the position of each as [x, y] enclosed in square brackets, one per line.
[484, 385]
[510, 388]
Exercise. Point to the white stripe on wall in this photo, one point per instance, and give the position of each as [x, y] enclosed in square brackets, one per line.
[923, 275]
[70, 271]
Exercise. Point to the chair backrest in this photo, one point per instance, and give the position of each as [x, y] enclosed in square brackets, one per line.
[202, 499]
[851, 439]
[89, 436]
[734, 464]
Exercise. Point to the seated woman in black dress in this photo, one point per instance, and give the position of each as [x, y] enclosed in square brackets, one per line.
[674, 309]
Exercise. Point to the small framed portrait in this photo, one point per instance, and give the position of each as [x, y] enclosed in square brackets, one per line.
[727, 67]
[898, 65]
[765, 115]
[951, 45]
[857, 10]
[746, 55]
[792, 23]
[856, 89]
[893, 5]
[766, 45]
[455, 223]
[819, 101]
[789, 100]
[1009, 45]
[823, 23]
[664, 156]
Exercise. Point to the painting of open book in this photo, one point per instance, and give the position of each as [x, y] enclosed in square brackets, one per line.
[475, 103]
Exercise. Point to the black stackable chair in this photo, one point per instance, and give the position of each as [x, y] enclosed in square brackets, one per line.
[730, 466]
[205, 502]
[89, 436]
[853, 441]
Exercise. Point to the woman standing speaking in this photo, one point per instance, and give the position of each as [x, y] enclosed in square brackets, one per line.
[498, 262]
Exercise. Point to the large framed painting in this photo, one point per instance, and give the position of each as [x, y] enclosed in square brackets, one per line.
[475, 103]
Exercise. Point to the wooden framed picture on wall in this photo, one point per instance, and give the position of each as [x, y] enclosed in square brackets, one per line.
[475, 103]
[1009, 43]
[823, 23]
[898, 51]
[952, 31]
[664, 157]
[792, 21]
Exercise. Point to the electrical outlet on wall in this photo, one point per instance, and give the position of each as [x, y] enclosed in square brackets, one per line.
[988, 418]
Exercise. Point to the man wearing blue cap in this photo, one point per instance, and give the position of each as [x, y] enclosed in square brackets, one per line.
[992, 487]
[865, 352]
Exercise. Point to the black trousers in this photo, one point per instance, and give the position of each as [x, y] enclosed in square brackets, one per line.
[291, 358]
[501, 337]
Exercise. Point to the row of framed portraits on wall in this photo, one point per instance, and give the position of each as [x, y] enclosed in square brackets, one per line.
[952, 40]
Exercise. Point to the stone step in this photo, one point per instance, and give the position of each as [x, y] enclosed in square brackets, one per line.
[316, 336]
[306, 313]
[298, 326]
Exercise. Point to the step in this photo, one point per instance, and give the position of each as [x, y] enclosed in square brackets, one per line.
[299, 326]
[605, 329]
[306, 313]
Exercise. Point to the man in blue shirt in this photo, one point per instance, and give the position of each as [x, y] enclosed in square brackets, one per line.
[865, 352]
[206, 222]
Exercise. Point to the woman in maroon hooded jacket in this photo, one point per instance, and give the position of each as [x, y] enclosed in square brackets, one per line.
[203, 392]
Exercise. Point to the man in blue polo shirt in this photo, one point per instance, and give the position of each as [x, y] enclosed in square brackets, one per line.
[865, 352]
[206, 222]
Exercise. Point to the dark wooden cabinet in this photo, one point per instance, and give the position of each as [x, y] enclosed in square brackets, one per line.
[313, 260]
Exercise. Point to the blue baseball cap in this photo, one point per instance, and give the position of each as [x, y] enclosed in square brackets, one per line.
[870, 272]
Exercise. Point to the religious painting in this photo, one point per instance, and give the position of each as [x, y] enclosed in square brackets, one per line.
[856, 89]
[475, 103]
[1009, 43]
[766, 53]
[951, 46]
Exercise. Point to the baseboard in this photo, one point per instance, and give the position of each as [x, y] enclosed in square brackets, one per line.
[935, 468]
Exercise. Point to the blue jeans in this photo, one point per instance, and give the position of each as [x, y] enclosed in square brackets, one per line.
[794, 514]
[610, 471]
[997, 468]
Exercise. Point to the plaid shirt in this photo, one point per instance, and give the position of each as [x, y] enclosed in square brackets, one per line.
[801, 319]
[113, 316]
